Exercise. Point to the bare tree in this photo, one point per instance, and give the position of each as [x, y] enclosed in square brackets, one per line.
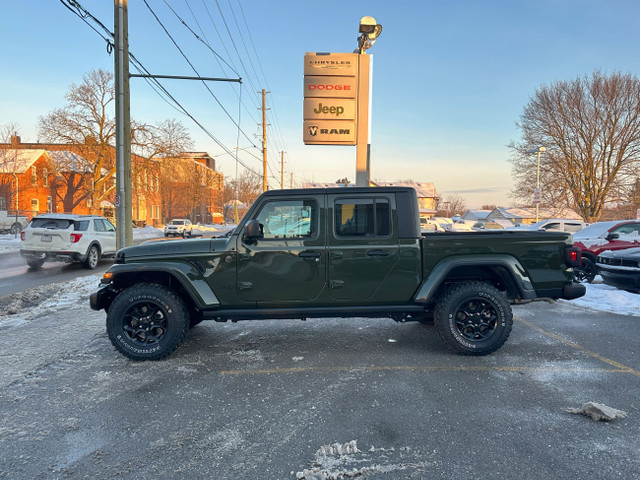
[87, 124]
[590, 128]
[451, 205]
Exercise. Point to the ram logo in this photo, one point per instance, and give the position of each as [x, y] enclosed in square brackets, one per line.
[313, 130]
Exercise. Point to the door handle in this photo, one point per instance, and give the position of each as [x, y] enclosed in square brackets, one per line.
[309, 254]
[336, 255]
[245, 286]
[377, 253]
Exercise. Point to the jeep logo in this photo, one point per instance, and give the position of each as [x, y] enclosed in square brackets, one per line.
[337, 111]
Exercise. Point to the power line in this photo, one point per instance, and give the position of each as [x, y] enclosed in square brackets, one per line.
[108, 36]
[194, 68]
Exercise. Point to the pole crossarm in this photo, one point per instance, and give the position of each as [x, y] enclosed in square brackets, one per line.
[181, 77]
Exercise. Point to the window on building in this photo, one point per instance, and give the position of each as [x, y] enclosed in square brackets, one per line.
[3, 203]
[45, 177]
[34, 175]
[49, 205]
[35, 206]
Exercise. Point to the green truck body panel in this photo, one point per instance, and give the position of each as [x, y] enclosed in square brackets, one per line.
[342, 249]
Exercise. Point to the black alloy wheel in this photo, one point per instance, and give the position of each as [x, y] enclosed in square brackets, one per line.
[473, 318]
[147, 321]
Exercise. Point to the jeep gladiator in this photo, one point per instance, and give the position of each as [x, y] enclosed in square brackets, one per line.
[336, 252]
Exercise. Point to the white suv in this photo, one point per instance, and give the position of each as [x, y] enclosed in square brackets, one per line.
[68, 238]
[178, 226]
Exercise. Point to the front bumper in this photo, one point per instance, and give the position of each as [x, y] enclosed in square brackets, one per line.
[623, 279]
[102, 298]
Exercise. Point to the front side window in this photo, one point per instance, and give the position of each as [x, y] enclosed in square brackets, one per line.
[289, 219]
[628, 230]
[362, 217]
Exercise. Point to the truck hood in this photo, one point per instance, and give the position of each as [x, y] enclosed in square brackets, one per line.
[172, 248]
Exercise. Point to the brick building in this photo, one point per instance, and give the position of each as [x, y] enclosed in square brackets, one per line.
[191, 188]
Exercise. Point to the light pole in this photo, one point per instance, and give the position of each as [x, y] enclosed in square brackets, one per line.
[536, 195]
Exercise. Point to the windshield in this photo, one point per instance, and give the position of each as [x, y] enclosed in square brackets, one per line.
[595, 230]
[177, 222]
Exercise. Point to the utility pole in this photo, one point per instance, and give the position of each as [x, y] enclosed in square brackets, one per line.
[123, 199]
[265, 187]
[282, 170]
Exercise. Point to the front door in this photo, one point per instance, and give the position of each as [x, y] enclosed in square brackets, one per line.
[287, 264]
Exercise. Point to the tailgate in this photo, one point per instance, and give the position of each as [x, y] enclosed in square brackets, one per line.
[48, 239]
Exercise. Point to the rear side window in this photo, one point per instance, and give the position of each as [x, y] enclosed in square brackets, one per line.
[572, 227]
[52, 223]
[81, 225]
[362, 217]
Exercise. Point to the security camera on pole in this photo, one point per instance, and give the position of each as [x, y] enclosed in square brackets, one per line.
[337, 97]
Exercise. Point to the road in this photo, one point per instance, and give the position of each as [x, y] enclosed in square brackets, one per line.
[16, 276]
[321, 399]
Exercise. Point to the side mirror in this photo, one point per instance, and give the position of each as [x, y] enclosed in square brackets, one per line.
[612, 236]
[252, 230]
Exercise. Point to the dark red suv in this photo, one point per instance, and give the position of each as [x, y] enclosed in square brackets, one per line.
[602, 236]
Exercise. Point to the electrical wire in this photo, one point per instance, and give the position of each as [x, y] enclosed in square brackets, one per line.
[83, 14]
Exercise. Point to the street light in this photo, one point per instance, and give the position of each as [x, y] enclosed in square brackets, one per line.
[536, 197]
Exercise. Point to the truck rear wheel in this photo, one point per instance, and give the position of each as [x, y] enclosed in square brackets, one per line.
[473, 318]
[586, 272]
[147, 321]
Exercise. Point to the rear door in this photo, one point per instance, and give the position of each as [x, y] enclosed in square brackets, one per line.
[106, 234]
[363, 246]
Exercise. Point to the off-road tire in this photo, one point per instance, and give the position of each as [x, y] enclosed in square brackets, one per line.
[473, 318]
[587, 272]
[35, 263]
[147, 321]
[93, 257]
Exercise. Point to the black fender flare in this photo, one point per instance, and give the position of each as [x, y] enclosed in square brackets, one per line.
[185, 273]
[437, 276]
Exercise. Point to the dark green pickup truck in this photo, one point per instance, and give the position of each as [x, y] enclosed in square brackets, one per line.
[340, 252]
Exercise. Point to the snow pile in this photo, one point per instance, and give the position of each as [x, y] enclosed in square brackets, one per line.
[598, 412]
[147, 232]
[9, 243]
[43, 301]
[605, 298]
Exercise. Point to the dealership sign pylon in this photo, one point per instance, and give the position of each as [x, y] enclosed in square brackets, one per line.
[336, 104]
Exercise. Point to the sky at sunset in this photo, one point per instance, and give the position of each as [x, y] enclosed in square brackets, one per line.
[450, 79]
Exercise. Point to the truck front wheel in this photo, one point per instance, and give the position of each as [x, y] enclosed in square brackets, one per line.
[147, 321]
[473, 318]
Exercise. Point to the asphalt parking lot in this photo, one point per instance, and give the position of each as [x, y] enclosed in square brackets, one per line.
[325, 398]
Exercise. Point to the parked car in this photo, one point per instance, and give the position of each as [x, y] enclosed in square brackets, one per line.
[462, 226]
[68, 238]
[599, 237]
[487, 226]
[621, 269]
[12, 222]
[429, 226]
[178, 227]
[556, 225]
